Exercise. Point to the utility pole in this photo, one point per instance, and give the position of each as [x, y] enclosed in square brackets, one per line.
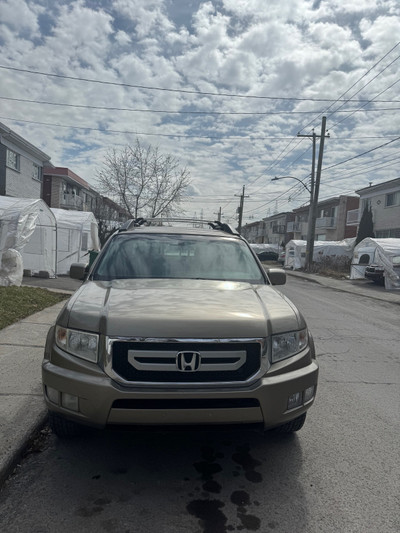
[242, 197]
[219, 214]
[315, 196]
[312, 136]
[312, 213]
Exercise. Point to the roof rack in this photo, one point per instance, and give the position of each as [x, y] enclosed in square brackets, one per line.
[215, 224]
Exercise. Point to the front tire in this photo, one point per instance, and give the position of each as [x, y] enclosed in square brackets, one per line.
[292, 426]
[63, 428]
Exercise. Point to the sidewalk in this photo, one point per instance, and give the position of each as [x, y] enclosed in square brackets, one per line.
[22, 410]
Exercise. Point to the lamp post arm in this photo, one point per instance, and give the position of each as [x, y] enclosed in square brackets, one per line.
[293, 178]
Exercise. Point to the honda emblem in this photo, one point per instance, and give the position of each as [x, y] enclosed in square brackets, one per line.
[188, 361]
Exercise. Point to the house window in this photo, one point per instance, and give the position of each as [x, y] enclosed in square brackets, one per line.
[392, 198]
[37, 172]
[388, 233]
[329, 212]
[12, 159]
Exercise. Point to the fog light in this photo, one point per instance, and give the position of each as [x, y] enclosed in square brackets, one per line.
[69, 401]
[309, 394]
[295, 400]
[52, 395]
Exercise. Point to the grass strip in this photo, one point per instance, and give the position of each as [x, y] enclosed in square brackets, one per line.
[19, 302]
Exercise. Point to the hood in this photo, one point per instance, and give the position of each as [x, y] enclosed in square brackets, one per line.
[180, 309]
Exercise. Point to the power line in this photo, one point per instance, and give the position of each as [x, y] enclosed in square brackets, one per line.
[352, 174]
[273, 200]
[153, 88]
[173, 135]
[354, 84]
[371, 165]
[283, 151]
[175, 112]
[359, 155]
[276, 162]
[361, 108]
[347, 100]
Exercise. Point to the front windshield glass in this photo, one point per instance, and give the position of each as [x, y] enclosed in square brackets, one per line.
[177, 256]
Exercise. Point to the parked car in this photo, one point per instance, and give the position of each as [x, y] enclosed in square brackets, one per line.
[265, 252]
[281, 257]
[178, 325]
[267, 256]
[375, 273]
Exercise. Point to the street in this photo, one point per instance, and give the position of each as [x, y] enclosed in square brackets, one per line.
[340, 473]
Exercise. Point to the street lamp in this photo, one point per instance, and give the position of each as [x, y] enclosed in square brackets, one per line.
[311, 219]
[315, 183]
[293, 178]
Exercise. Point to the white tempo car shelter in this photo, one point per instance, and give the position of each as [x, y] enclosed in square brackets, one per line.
[27, 239]
[381, 252]
[77, 233]
[295, 256]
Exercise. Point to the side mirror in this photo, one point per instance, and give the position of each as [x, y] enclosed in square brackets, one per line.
[276, 276]
[78, 271]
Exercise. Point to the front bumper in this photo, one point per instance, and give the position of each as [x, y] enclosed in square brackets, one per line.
[375, 275]
[101, 401]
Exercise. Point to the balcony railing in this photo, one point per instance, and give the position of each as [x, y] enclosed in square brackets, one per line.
[353, 217]
[279, 229]
[326, 222]
[72, 200]
[294, 227]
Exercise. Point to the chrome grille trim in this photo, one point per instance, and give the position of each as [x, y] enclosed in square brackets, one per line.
[206, 360]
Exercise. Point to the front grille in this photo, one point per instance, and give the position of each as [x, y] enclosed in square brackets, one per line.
[147, 362]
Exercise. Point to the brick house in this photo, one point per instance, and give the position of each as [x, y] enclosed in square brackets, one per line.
[278, 228]
[254, 232]
[64, 189]
[332, 223]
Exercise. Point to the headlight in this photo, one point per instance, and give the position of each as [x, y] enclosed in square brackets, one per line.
[287, 344]
[78, 343]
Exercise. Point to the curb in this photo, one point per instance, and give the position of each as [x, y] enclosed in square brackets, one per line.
[9, 464]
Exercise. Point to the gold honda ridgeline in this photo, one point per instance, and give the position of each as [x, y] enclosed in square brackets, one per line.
[178, 325]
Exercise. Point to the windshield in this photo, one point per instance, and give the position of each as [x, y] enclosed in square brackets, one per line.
[177, 256]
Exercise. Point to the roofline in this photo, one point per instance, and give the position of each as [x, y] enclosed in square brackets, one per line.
[383, 184]
[65, 172]
[277, 215]
[324, 202]
[23, 143]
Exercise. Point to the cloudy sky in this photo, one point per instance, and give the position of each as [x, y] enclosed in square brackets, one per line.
[224, 85]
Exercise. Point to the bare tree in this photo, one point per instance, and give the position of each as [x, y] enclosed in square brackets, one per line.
[145, 182]
[109, 217]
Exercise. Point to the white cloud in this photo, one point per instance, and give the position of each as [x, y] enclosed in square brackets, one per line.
[382, 32]
[147, 16]
[271, 10]
[20, 16]
[296, 48]
[122, 38]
